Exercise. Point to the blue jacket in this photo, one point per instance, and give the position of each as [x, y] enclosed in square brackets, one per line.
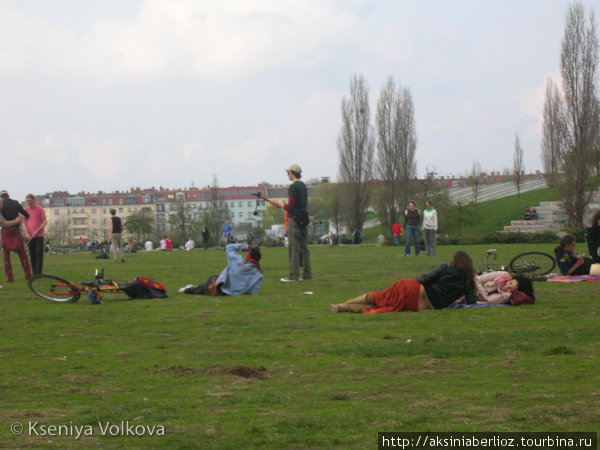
[239, 277]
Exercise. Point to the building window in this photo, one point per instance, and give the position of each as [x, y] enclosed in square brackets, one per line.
[120, 210]
[241, 214]
[110, 201]
[57, 212]
[145, 199]
[120, 201]
[104, 221]
[57, 222]
[94, 221]
[93, 211]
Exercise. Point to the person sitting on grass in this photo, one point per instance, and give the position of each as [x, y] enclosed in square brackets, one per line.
[497, 288]
[238, 278]
[569, 262]
[437, 289]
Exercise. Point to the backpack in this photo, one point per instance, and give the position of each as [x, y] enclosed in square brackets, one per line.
[143, 287]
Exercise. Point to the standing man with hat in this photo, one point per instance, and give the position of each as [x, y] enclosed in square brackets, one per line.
[12, 239]
[296, 208]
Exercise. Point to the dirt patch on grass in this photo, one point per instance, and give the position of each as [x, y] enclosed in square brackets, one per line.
[259, 373]
[180, 371]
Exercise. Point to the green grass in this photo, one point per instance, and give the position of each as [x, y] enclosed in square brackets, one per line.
[277, 370]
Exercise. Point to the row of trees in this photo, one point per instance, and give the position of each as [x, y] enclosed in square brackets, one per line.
[571, 130]
[394, 165]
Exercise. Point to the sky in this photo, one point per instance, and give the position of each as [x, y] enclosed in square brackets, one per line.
[138, 93]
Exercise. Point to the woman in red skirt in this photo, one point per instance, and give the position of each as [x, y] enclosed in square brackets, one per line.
[437, 289]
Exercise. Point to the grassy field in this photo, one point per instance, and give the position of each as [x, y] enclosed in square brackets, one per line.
[278, 370]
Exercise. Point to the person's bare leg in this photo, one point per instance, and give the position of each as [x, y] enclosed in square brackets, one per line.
[355, 305]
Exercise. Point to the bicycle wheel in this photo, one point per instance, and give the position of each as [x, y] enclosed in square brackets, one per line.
[54, 289]
[532, 264]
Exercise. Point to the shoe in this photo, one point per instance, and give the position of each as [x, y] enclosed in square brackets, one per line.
[287, 280]
[183, 289]
[334, 308]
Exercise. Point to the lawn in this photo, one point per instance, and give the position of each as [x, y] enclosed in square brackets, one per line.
[278, 370]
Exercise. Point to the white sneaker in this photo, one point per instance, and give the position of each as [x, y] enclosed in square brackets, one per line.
[287, 280]
[182, 290]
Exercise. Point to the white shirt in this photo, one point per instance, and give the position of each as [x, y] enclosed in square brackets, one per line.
[149, 246]
[189, 245]
[163, 244]
[430, 220]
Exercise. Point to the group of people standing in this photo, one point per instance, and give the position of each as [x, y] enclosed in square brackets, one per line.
[34, 219]
[412, 218]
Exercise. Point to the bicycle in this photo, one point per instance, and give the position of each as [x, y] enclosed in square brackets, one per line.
[55, 289]
[528, 264]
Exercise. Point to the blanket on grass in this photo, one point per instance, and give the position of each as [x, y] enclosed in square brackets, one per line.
[573, 279]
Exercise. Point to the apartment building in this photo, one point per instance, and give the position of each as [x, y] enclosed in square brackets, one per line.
[87, 215]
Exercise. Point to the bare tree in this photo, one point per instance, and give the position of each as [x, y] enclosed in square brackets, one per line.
[579, 62]
[475, 179]
[356, 147]
[553, 134]
[408, 144]
[396, 146]
[518, 167]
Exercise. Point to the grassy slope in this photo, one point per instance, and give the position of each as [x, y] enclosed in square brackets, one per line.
[329, 380]
[492, 215]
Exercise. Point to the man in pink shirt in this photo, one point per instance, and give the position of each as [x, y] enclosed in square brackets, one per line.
[34, 232]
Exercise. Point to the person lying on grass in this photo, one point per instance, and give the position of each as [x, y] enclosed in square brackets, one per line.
[497, 288]
[238, 278]
[437, 289]
[569, 262]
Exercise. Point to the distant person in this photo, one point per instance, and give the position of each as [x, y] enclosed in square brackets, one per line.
[190, 244]
[357, 237]
[569, 262]
[12, 240]
[168, 244]
[534, 214]
[116, 230]
[527, 215]
[430, 227]
[205, 237]
[437, 289]
[34, 233]
[411, 227]
[227, 236]
[238, 278]
[163, 243]
[297, 209]
[396, 232]
[148, 245]
[593, 238]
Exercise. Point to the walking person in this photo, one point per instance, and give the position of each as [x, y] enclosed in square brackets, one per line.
[411, 225]
[430, 227]
[34, 233]
[12, 239]
[116, 230]
[296, 208]
[396, 232]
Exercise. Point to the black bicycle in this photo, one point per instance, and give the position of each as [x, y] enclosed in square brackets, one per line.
[529, 264]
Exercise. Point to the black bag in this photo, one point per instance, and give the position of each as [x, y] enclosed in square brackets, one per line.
[302, 219]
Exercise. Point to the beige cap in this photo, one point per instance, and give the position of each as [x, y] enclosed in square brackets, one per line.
[595, 270]
[294, 168]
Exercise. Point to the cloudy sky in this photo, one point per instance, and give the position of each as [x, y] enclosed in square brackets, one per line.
[138, 93]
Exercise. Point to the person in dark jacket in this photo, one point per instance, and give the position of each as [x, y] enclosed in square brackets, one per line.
[437, 289]
[593, 238]
[411, 228]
